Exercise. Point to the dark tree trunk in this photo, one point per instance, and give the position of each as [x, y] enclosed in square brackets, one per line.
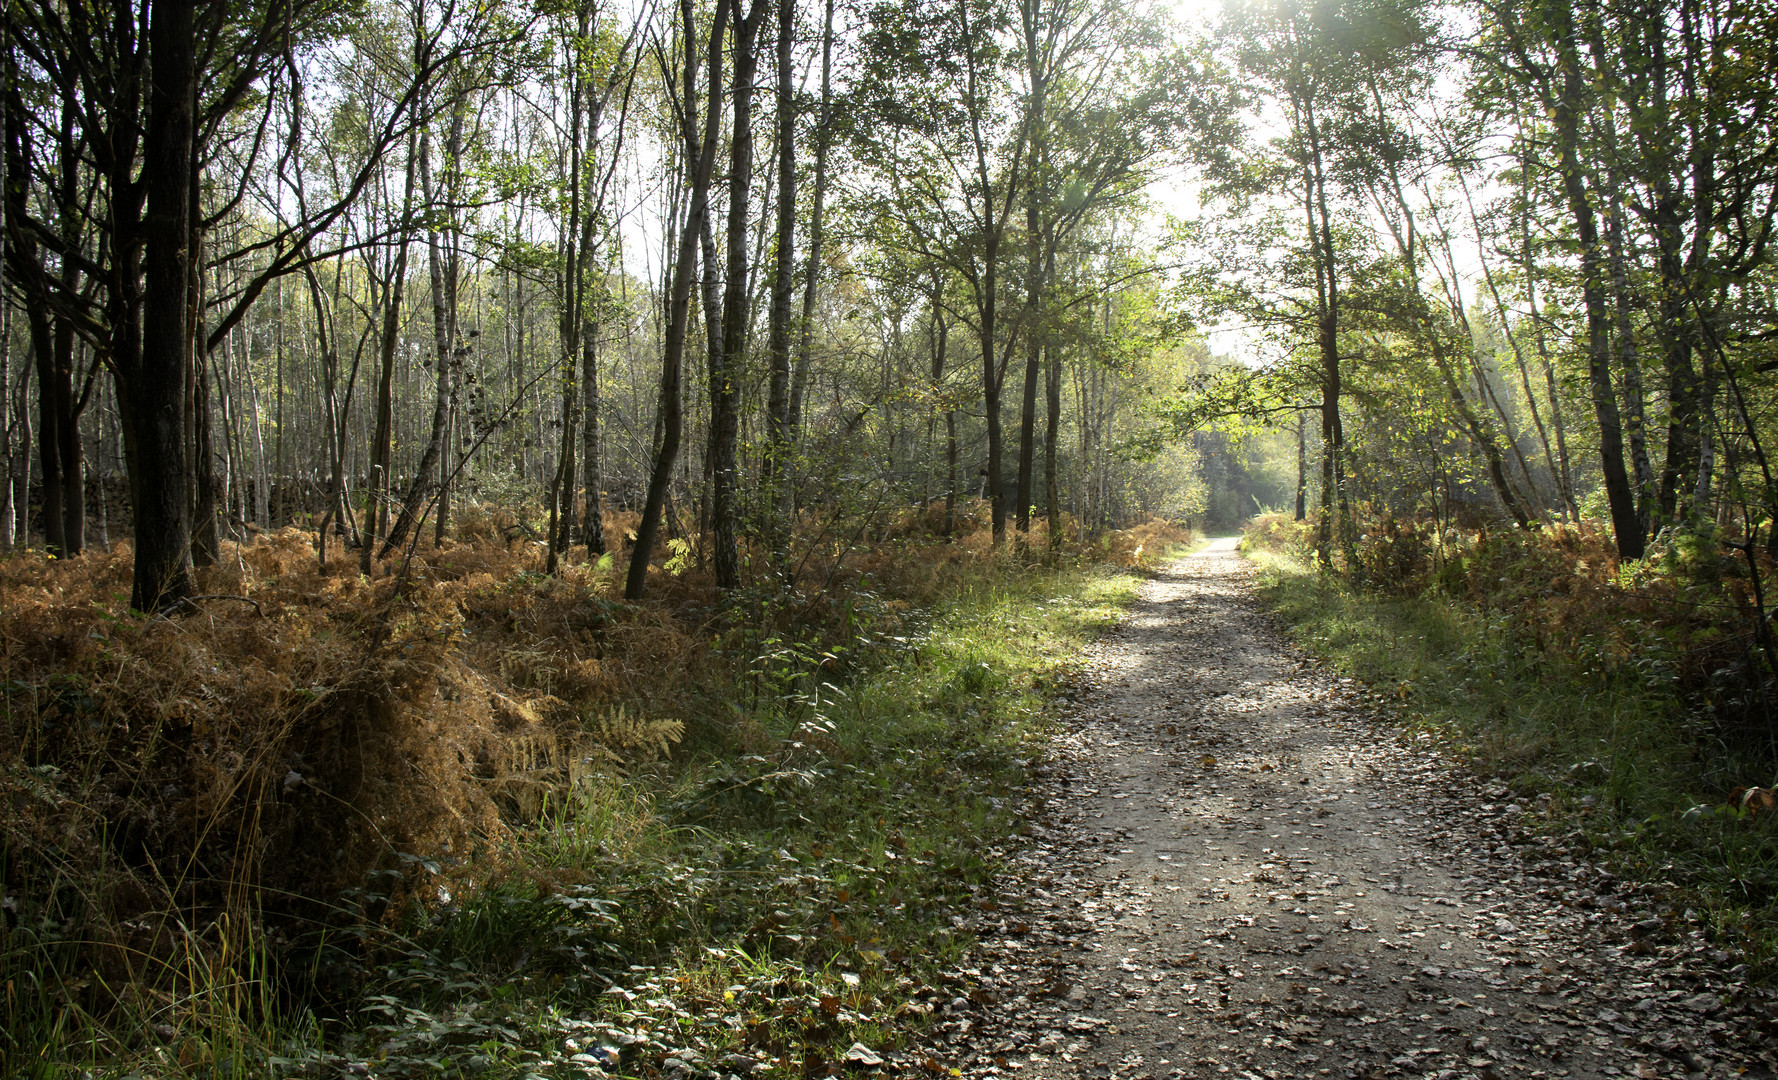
[1327, 341]
[571, 294]
[1033, 371]
[1565, 115]
[779, 434]
[725, 379]
[52, 348]
[68, 404]
[1037, 238]
[783, 282]
[153, 366]
[561, 488]
[206, 541]
[699, 154]
[592, 530]
[991, 396]
[941, 330]
[1042, 266]
[1052, 494]
[1302, 467]
[49, 442]
[1687, 437]
[710, 288]
[1028, 430]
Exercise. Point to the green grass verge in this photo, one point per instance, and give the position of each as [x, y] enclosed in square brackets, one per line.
[806, 883]
[1631, 774]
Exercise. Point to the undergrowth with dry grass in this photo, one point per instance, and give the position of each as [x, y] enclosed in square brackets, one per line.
[463, 816]
[1633, 700]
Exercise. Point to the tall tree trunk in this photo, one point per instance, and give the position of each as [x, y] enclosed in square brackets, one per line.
[941, 330]
[985, 278]
[710, 286]
[382, 453]
[206, 541]
[1624, 345]
[73, 450]
[336, 408]
[1302, 467]
[1052, 495]
[561, 488]
[58, 419]
[8, 426]
[49, 443]
[991, 396]
[571, 286]
[1028, 432]
[699, 155]
[1327, 301]
[280, 513]
[1037, 239]
[152, 367]
[206, 538]
[432, 458]
[1568, 102]
[1033, 368]
[1558, 419]
[459, 354]
[592, 529]
[799, 379]
[725, 380]
[778, 432]
[17, 526]
[14, 149]
[71, 469]
[1690, 449]
[228, 399]
[1706, 436]
[51, 335]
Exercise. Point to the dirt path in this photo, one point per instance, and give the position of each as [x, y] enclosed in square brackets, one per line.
[1236, 869]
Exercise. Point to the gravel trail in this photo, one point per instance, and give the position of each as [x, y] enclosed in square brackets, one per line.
[1237, 868]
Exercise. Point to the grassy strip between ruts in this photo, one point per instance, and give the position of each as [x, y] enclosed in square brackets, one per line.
[1621, 770]
[766, 915]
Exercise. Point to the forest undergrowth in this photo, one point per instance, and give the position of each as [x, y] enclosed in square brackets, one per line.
[468, 817]
[1629, 707]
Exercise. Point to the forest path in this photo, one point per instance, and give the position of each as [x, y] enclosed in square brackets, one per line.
[1237, 869]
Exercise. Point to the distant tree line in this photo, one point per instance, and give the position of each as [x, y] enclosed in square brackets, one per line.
[716, 266]
[709, 265]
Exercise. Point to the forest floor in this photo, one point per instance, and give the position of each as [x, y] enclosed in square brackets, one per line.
[1239, 865]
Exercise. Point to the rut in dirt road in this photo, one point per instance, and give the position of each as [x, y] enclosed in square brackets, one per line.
[1236, 869]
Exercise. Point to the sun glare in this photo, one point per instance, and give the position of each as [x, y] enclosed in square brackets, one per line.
[1197, 14]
